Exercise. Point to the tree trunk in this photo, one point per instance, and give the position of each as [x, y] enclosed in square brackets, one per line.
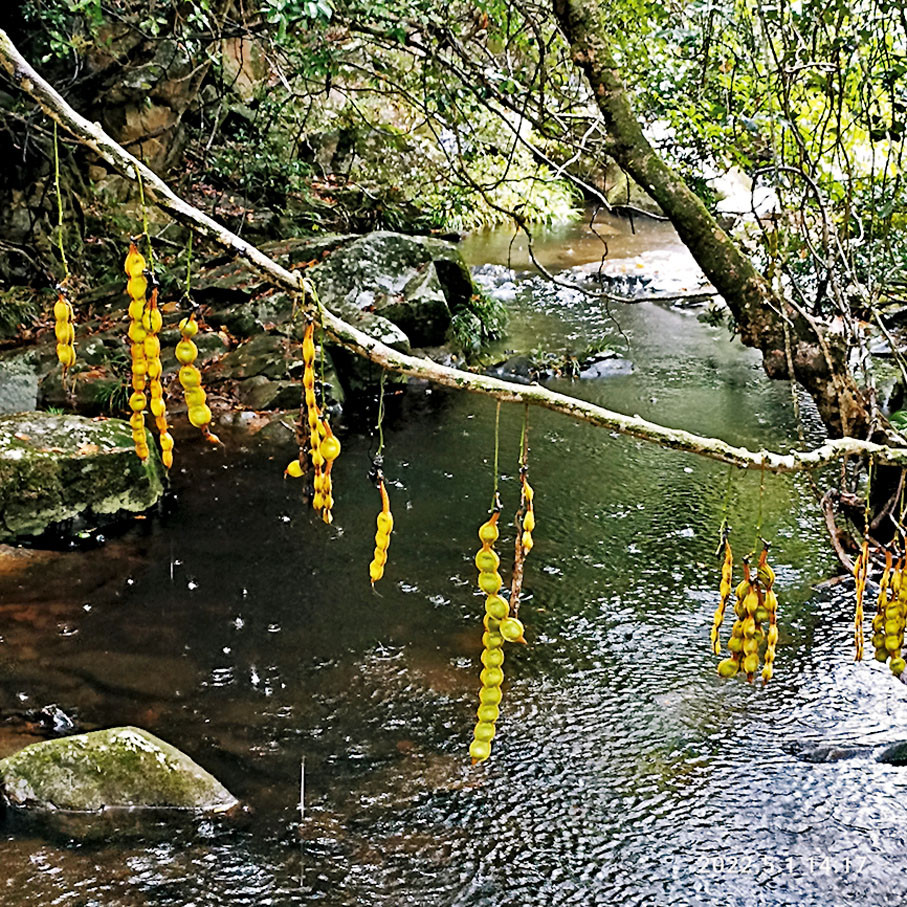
[819, 357]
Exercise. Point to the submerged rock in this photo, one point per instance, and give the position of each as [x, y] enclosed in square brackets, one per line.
[56, 467]
[119, 768]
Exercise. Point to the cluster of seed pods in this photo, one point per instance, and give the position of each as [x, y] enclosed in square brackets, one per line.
[385, 523]
[190, 379]
[756, 625]
[891, 616]
[137, 287]
[499, 627]
[528, 509]
[324, 447]
[64, 330]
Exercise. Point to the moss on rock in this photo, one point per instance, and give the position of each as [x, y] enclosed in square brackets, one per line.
[55, 467]
[118, 768]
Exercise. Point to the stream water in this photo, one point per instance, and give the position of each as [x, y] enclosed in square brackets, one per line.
[243, 630]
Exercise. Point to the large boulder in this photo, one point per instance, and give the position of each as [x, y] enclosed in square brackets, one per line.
[56, 467]
[415, 282]
[119, 768]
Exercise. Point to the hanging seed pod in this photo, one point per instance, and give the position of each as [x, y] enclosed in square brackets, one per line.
[860, 572]
[191, 380]
[136, 288]
[152, 321]
[64, 331]
[496, 616]
[385, 523]
[724, 591]
[528, 506]
[769, 603]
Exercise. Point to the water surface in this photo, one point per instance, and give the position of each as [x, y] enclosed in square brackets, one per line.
[243, 630]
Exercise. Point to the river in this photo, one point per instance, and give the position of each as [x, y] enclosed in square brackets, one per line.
[625, 771]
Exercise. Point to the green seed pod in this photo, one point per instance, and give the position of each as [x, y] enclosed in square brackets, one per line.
[484, 731]
[491, 677]
[488, 713]
[492, 658]
[496, 607]
[490, 695]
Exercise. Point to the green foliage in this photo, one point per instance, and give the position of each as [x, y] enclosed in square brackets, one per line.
[63, 27]
[285, 13]
[898, 420]
[481, 321]
[19, 307]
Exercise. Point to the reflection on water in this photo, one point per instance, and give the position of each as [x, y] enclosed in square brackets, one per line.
[243, 630]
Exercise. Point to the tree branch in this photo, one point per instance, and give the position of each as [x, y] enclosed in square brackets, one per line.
[93, 136]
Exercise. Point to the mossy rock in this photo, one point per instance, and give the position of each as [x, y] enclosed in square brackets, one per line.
[56, 467]
[118, 768]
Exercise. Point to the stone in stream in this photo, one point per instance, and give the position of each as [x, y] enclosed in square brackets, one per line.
[894, 754]
[119, 768]
[56, 467]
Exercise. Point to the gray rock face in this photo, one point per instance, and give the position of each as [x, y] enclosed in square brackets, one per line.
[55, 467]
[415, 282]
[19, 384]
[120, 768]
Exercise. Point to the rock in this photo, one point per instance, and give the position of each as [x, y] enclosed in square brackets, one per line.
[262, 393]
[262, 355]
[608, 367]
[894, 754]
[119, 768]
[19, 375]
[55, 467]
[519, 369]
[389, 271]
[824, 752]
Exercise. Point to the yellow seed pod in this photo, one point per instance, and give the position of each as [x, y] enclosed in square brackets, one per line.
[529, 521]
[526, 542]
[375, 571]
[488, 531]
[152, 347]
[66, 355]
[189, 327]
[64, 332]
[137, 333]
[137, 287]
[136, 309]
[137, 402]
[157, 407]
[199, 415]
[294, 469]
[135, 261]
[379, 557]
[62, 309]
[330, 448]
[166, 441]
[195, 397]
[512, 630]
[186, 351]
[190, 377]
